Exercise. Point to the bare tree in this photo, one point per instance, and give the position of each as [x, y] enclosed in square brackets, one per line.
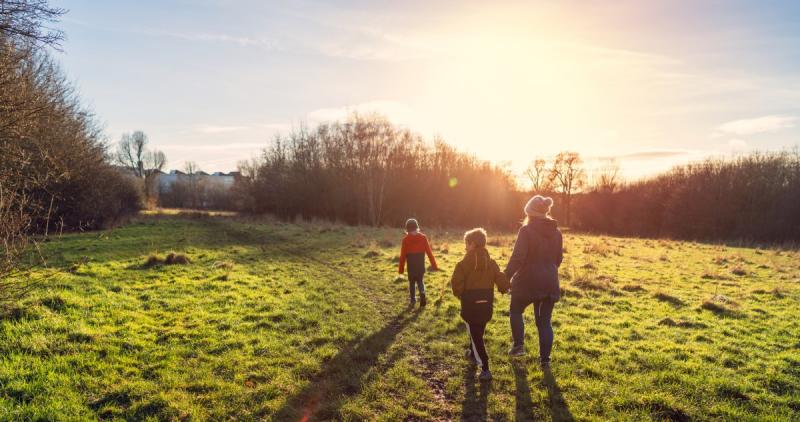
[540, 176]
[193, 183]
[607, 177]
[26, 20]
[133, 154]
[569, 175]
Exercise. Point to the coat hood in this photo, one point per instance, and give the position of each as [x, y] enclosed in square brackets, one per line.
[477, 259]
[546, 227]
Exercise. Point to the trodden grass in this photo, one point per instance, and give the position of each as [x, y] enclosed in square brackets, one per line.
[172, 318]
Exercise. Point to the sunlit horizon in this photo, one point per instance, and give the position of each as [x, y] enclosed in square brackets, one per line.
[650, 85]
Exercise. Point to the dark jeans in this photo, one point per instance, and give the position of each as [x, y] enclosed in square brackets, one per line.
[416, 281]
[477, 346]
[543, 312]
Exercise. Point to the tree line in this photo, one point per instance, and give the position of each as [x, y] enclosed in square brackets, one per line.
[752, 197]
[365, 170]
[54, 167]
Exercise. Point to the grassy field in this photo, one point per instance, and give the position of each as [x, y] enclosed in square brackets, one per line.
[290, 321]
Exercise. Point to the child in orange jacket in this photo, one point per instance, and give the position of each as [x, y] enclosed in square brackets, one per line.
[413, 250]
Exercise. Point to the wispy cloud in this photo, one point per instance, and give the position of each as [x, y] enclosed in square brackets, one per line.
[244, 41]
[395, 111]
[649, 155]
[763, 124]
[211, 129]
[216, 148]
[737, 144]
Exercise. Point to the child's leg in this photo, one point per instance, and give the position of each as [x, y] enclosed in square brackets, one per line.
[421, 286]
[411, 284]
[478, 347]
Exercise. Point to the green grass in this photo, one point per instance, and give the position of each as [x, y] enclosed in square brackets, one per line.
[277, 321]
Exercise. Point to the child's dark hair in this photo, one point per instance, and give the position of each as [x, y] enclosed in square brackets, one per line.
[476, 236]
[411, 225]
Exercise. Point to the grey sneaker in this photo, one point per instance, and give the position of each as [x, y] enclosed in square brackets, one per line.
[517, 351]
[485, 376]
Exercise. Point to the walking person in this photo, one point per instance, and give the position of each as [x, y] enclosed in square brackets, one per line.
[473, 282]
[533, 270]
[413, 250]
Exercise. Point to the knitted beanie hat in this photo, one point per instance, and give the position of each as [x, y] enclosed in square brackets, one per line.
[538, 205]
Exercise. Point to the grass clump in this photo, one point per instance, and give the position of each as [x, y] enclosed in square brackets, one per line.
[585, 281]
[722, 305]
[177, 259]
[668, 298]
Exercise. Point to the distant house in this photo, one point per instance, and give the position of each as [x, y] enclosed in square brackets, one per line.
[215, 180]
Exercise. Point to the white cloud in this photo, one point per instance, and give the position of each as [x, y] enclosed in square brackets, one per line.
[397, 112]
[220, 147]
[763, 124]
[737, 144]
[211, 129]
[280, 127]
[243, 41]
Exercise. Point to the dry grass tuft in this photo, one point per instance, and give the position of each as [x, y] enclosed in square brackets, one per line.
[586, 282]
[721, 305]
[708, 275]
[177, 259]
[222, 265]
[672, 300]
[152, 261]
[602, 248]
[372, 253]
[669, 322]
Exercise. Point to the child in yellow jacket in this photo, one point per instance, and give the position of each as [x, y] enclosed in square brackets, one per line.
[473, 282]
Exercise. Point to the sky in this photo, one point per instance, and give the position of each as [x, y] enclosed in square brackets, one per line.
[648, 84]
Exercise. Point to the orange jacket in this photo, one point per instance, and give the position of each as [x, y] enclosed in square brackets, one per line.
[415, 242]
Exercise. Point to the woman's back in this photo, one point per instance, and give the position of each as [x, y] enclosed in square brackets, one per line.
[533, 266]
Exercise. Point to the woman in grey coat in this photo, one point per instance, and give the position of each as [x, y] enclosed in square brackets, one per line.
[533, 270]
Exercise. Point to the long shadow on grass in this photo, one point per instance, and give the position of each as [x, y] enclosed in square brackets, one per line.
[343, 376]
[524, 404]
[559, 411]
[473, 408]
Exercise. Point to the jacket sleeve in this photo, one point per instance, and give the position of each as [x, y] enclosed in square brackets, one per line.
[560, 248]
[500, 279]
[429, 251]
[517, 259]
[458, 280]
[403, 252]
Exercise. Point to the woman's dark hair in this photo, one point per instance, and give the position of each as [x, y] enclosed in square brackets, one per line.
[411, 225]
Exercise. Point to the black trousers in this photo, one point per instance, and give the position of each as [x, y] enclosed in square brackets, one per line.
[476, 311]
[476, 331]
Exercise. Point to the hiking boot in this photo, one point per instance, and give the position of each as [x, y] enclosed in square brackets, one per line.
[422, 301]
[517, 351]
[485, 376]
